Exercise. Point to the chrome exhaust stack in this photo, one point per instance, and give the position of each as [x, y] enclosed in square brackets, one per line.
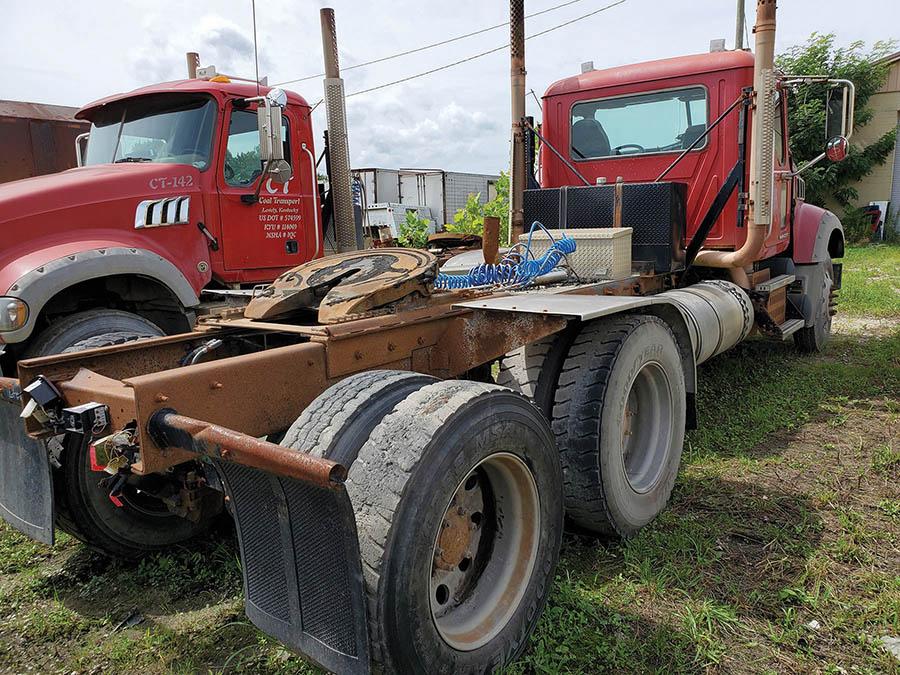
[338, 143]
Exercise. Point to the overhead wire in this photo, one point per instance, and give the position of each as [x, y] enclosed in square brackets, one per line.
[484, 53]
[433, 45]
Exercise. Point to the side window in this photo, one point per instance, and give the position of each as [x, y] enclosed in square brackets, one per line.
[779, 127]
[243, 164]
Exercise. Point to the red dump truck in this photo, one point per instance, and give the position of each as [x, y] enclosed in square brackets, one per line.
[405, 514]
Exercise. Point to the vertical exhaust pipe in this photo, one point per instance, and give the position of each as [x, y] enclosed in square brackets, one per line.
[759, 218]
[517, 137]
[193, 62]
[339, 147]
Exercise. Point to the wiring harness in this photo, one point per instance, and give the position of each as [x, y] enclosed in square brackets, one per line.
[519, 267]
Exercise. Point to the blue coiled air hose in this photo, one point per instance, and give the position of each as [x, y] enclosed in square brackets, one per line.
[517, 268]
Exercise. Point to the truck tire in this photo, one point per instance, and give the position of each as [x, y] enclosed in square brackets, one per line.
[619, 422]
[472, 467]
[458, 501]
[812, 339]
[91, 329]
[533, 370]
[83, 509]
[338, 422]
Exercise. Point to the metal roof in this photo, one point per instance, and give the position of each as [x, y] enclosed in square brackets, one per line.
[38, 111]
[648, 71]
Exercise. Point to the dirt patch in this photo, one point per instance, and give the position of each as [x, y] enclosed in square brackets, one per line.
[865, 325]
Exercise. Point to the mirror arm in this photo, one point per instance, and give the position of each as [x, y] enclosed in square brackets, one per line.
[79, 148]
[808, 165]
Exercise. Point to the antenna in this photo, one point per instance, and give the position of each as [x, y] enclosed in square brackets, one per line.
[255, 50]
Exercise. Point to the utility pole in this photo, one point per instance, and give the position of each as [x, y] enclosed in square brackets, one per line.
[517, 88]
[739, 26]
[338, 144]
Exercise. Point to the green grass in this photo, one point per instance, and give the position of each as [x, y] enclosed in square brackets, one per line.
[871, 281]
[779, 551]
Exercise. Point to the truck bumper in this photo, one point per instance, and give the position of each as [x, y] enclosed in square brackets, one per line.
[26, 487]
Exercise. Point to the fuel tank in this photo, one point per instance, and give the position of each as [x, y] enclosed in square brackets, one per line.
[718, 314]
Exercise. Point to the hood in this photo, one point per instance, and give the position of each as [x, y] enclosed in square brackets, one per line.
[104, 184]
[83, 206]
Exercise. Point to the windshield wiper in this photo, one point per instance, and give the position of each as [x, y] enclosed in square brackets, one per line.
[133, 159]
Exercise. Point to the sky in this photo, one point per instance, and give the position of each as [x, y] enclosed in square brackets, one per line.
[70, 53]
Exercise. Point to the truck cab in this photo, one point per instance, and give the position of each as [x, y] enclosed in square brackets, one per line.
[631, 123]
[172, 196]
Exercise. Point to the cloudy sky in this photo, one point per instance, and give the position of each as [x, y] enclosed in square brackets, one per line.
[64, 52]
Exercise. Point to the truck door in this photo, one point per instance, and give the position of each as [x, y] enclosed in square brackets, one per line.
[262, 234]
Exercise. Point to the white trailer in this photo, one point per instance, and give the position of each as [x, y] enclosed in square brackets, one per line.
[444, 192]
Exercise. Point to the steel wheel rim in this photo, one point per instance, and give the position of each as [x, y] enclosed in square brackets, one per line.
[647, 427]
[479, 575]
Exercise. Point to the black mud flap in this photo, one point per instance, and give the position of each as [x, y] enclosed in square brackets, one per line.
[303, 580]
[26, 487]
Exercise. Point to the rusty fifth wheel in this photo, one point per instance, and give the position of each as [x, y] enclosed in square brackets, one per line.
[457, 495]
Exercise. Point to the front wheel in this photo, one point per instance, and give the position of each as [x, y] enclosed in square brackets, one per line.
[813, 338]
[142, 521]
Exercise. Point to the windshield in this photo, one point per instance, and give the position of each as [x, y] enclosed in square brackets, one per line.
[665, 121]
[166, 129]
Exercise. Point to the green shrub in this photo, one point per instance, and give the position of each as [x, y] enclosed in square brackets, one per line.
[414, 231]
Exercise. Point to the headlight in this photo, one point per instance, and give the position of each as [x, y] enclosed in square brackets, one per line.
[13, 314]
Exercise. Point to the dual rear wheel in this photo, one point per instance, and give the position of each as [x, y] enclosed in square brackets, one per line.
[141, 521]
[457, 492]
[615, 393]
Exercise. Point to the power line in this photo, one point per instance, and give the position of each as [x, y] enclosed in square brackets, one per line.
[433, 45]
[484, 53]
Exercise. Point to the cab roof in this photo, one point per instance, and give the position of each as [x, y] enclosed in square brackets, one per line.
[239, 89]
[649, 71]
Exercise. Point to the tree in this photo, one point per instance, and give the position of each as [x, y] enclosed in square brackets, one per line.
[806, 114]
[470, 218]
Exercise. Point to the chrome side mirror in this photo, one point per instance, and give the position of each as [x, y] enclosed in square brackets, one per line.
[837, 107]
[277, 97]
[271, 142]
[837, 148]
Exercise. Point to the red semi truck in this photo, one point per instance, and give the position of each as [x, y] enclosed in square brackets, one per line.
[170, 200]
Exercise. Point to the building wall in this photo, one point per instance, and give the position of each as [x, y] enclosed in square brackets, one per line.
[886, 106]
[36, 139]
